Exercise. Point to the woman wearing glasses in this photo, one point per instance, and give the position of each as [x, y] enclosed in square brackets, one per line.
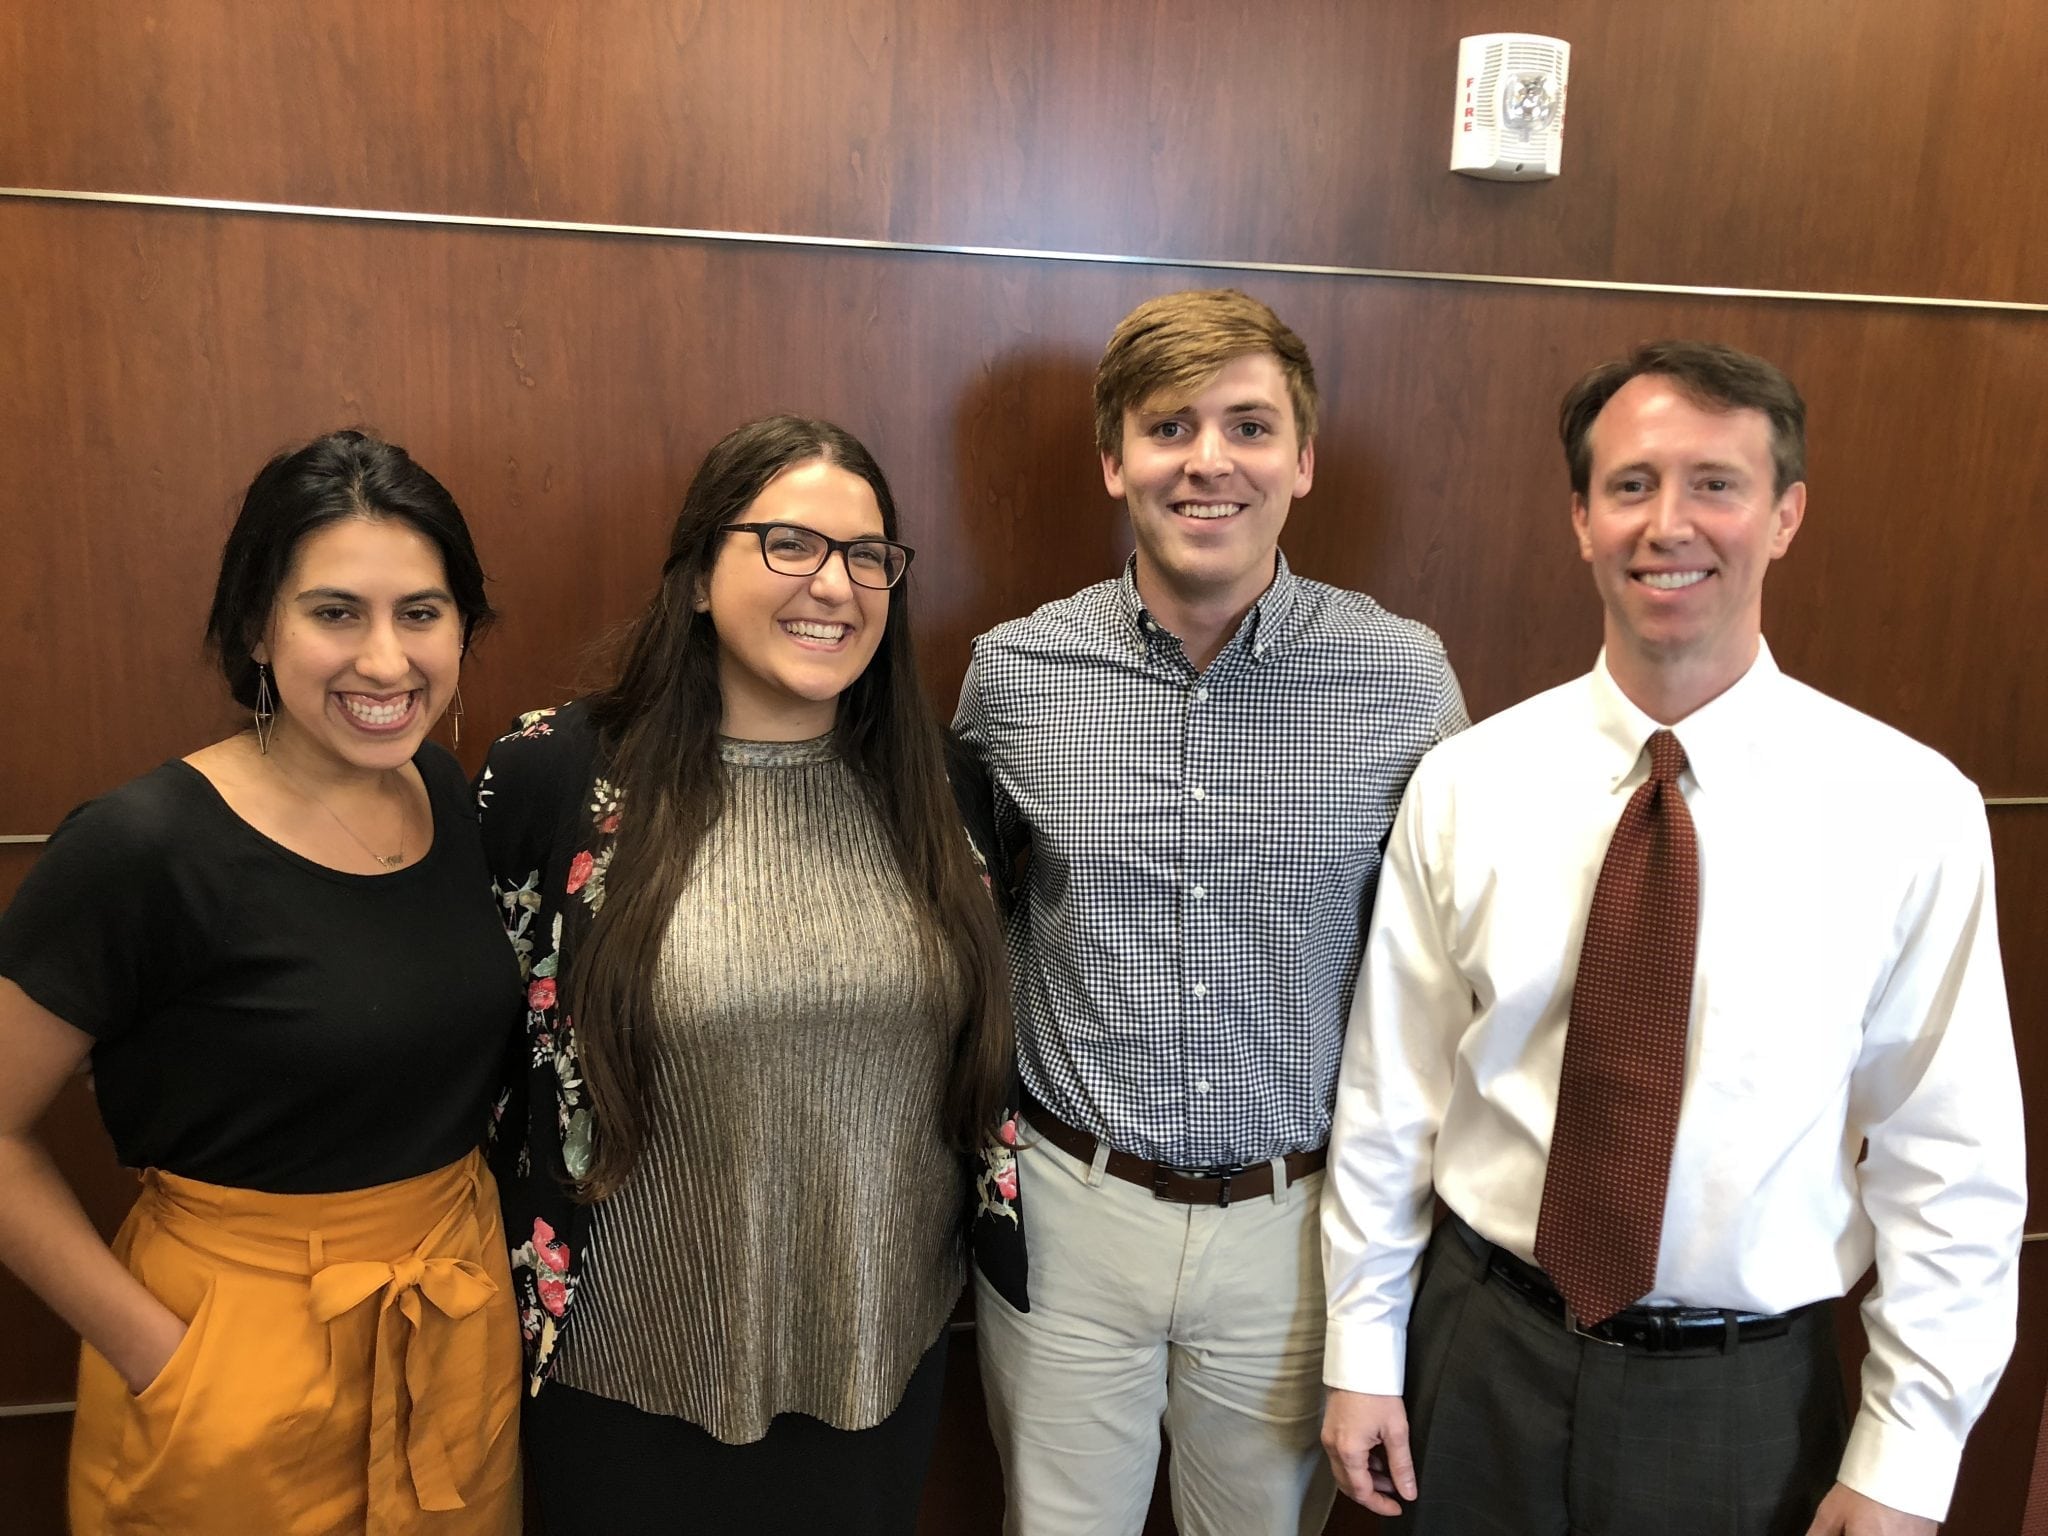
[767, 1014]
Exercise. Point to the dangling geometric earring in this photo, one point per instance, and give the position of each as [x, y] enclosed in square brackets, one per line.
[455, 715]
[266, 709]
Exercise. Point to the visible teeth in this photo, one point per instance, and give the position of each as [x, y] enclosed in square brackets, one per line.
[1194, 509]
[814, 631]
[1671, 581]
[376, 714]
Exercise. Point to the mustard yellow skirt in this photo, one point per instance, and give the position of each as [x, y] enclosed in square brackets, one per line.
[352, 1365]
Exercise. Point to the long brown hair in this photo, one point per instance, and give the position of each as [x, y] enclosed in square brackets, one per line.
[657, 727]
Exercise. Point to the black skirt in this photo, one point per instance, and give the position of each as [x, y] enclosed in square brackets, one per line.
[605, 1468]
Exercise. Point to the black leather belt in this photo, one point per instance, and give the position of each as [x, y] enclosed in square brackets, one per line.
[1649, 1330]
[1183, 1186]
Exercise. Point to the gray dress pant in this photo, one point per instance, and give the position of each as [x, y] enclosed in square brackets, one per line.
[1522, 1428]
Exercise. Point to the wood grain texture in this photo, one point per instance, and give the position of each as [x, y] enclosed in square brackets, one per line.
[2019, 849]
[15, 859]
[41, 1363]
[1991, 1489]
[563, 387]
[1877, 148]
[32, 1455]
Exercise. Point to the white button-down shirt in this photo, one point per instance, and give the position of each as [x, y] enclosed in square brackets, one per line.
[1848, 988]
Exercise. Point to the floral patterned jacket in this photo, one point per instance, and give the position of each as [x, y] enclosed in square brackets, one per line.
[551, 823]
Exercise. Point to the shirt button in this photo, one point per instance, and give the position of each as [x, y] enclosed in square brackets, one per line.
[1201, 1085]
[1201, 989]
[1198, 893]
[1199, 793]
[1201, 695]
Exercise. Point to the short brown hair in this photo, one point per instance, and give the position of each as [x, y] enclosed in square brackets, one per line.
[1713, 377]
[1179, 341]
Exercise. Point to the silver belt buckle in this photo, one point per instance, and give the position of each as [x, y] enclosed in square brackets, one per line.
[1571, 1321]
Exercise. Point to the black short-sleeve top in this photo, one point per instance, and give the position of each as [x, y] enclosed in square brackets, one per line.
[258, 1019]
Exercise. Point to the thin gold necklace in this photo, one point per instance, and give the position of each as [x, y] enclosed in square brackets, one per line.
[387, 860]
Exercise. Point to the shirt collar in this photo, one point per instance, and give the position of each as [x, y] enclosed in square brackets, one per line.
[1260, 630]
[1714, 735]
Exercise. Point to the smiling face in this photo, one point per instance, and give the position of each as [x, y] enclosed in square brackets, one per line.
[789, 646]
[1680, 522]
[364, 645]
[1209, 481]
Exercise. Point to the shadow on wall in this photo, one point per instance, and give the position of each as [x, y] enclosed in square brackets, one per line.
[1032, 520]
[1344, 531]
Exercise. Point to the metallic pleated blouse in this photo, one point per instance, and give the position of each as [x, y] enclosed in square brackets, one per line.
[790, 1239]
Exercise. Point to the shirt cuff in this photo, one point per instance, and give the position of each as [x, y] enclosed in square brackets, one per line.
[1913, 1472]
[1365, 1358]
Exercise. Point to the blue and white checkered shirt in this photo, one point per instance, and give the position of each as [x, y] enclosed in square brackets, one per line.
[1204, 852]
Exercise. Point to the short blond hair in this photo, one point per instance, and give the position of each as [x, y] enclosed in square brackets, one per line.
[1179, 341]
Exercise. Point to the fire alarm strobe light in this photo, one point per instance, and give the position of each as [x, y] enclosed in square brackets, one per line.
[1510, 123]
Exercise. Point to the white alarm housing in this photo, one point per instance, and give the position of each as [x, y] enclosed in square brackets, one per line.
[1510, 113]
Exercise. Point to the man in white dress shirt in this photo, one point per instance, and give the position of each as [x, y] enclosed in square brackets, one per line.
[1845, 992]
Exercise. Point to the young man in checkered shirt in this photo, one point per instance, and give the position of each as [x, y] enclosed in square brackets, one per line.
[1203, 757]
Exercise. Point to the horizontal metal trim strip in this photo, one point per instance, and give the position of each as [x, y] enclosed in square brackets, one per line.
[25, 837]
[35, 1410]
[1003, 252]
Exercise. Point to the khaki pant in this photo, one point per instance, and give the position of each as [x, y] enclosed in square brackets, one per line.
[1207, 1320]
[351, 1365]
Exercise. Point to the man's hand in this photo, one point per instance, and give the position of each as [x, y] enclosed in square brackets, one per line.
[1844, 1512]
[1366, 1437]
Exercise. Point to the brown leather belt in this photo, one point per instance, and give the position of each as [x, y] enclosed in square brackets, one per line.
[1183, 1186]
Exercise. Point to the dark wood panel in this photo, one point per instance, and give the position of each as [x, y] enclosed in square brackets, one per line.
[15, 859]
[32, 1473]
[2019, 847]
[1991, 1489]
[963, 1492]
[41, 1361]
[564, 387]
[1877, 148]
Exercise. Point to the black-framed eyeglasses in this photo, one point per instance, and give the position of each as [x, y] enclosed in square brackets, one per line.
[790, 549]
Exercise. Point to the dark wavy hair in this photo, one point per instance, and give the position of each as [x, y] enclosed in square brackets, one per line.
[341, 475]
[657, 728]
[1713, 377]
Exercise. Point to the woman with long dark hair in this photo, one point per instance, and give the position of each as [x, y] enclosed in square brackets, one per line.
[768, 1016]
[277, 955]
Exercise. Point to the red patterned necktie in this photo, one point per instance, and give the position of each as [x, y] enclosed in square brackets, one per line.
[1624, 1054]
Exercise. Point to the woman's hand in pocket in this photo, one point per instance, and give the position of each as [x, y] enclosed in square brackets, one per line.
[157, 1338]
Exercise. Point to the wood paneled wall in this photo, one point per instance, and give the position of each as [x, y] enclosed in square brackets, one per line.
[563, 385]
[1880, 148]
